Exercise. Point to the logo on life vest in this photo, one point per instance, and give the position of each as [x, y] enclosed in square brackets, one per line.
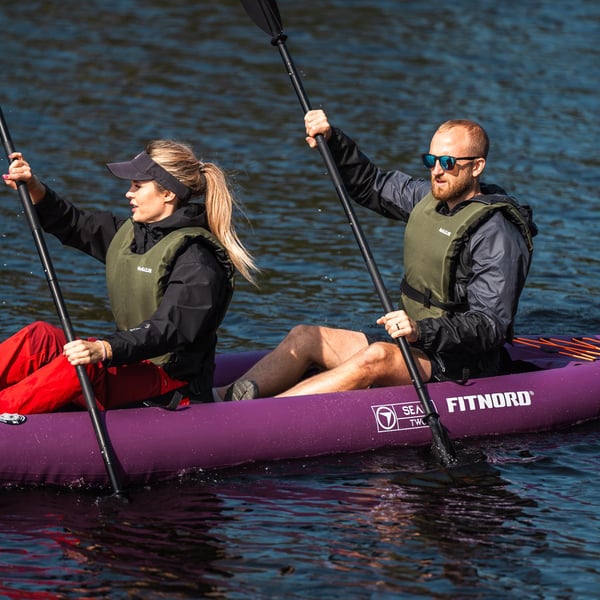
[144, 269]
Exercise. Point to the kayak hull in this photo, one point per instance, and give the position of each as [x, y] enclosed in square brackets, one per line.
[154, 444]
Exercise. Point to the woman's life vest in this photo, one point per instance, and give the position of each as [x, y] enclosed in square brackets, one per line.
[136, 282]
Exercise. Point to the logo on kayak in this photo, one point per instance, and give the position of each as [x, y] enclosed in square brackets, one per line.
[398, 417]
[484, 401]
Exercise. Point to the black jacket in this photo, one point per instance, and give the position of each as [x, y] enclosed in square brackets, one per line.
[197, 293]
[492, 271]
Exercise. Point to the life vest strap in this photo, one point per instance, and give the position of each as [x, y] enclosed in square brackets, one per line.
[426, 299]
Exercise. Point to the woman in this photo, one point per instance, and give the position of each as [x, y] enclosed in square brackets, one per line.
[169, 272]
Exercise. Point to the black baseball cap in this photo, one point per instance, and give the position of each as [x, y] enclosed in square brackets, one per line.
[143, 168]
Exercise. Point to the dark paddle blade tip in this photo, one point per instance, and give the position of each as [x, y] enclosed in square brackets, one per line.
[115, 500]
[122, 496]
[471, 468]
[465, 465]
[265, 13]
[442, 447]
[478, 474]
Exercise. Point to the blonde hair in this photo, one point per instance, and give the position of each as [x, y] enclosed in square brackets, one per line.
[208, 180]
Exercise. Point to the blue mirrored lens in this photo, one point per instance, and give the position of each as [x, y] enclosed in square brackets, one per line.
[447, 162]
[429, 160]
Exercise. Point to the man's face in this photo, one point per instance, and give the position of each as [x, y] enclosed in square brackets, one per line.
[459, 183]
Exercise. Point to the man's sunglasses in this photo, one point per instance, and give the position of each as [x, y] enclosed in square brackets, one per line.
[446, 162]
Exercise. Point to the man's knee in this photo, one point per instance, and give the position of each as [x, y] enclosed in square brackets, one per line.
[379, 351]
[300, 337]
[302, 334]
[379, 355]
[385, 364]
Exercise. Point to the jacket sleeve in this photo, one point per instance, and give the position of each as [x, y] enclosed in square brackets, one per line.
[88, 231]
[192, 308]
[500, 262]
[499, 258]
[392, 194]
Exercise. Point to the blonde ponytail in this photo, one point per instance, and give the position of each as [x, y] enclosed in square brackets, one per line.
[208, 180]
[220, 203]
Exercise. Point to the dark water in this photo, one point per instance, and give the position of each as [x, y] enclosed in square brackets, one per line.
[87, 83]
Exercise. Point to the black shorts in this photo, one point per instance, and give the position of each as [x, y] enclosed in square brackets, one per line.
[444, 367]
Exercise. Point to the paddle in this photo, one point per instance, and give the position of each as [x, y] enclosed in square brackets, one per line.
[265, 14]
[88, 392]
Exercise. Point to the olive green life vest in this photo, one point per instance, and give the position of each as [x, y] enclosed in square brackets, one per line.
[432, 246]
[146, 274]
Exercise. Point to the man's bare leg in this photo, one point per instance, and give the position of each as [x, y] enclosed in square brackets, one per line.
[303, 347]
[380, 364]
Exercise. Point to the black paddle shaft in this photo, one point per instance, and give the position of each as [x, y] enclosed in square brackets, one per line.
[38, 236]
[265, 14]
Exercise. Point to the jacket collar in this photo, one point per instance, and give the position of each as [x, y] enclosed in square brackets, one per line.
[146, 235]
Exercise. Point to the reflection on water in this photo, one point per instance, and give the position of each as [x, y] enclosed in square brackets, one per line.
[357, 523]
[89, 83]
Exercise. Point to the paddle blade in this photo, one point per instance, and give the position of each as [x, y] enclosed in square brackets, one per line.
[265, 13]
[442, 446]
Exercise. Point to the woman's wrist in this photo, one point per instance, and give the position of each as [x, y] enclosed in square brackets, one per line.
[36, 189]
[106, 350]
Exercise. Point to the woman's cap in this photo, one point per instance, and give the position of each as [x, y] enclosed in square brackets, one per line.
[143, 168]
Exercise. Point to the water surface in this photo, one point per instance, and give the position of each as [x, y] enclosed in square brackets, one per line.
[89, 83]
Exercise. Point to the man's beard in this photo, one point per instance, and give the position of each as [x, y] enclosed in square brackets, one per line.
[451, 191]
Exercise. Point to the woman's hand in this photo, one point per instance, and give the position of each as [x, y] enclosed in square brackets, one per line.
[398, 324]
[85, 352]
[20, 170]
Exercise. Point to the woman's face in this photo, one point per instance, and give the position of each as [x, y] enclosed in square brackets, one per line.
[148, 204]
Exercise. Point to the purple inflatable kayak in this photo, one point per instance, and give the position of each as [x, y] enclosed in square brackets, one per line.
[155, 444]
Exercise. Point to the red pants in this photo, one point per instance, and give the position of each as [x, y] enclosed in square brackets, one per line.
[36, 378]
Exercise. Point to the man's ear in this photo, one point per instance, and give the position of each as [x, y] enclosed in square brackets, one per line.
[478, 166]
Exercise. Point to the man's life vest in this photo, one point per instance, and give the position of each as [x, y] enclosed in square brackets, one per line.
[433, 243]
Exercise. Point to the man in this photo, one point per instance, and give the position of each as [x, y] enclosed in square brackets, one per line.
[467, 252]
